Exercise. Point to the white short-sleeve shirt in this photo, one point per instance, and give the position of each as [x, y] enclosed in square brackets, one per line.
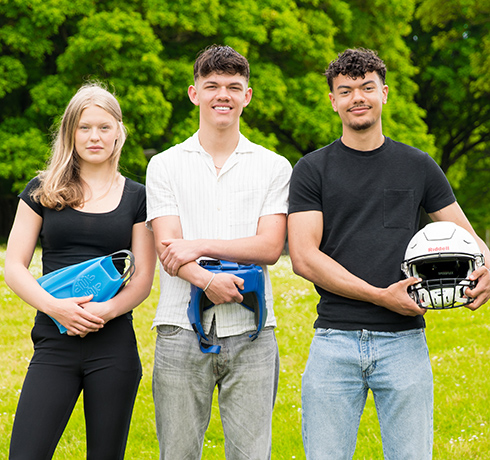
[182, 181]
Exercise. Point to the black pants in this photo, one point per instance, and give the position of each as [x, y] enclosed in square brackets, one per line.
[104, 364]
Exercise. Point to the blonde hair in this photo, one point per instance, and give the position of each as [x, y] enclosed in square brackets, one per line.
[60, 183]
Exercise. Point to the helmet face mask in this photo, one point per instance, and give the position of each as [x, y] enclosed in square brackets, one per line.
[443, 255]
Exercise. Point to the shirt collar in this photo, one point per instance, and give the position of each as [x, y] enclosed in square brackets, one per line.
[192, 144]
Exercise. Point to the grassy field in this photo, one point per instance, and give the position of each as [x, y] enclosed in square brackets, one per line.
[459, 342]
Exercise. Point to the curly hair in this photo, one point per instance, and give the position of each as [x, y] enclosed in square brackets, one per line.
[222, 60]
[355, 63]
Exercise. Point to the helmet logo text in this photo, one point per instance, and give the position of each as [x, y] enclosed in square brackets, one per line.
[438, 249]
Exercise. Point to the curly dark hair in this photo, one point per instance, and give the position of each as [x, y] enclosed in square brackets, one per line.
[355, 63]
[222, 60]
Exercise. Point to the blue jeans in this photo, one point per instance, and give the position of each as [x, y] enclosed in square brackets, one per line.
[342, 367]
[184, 379]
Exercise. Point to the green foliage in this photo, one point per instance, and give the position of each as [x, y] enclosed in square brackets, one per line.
[50, 49]
[12, 75]
[473, 189]
[450, 44]
[145, 51]
[437, 53]
[16, 156]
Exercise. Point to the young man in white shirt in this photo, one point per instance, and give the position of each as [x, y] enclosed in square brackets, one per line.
[220, 196]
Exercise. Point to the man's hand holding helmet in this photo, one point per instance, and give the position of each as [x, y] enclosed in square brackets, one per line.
[481, 292]
[397, 299]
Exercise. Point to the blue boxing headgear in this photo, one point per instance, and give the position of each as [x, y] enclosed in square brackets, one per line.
[253, 293]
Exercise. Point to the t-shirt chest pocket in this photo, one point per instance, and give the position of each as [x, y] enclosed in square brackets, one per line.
[398, 208]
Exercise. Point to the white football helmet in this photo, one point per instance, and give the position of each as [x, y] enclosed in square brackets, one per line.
[443, 255]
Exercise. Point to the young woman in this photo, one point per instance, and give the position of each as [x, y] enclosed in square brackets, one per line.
[80, 208]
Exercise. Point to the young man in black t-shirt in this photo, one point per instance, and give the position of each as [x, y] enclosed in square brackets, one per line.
[354, 206]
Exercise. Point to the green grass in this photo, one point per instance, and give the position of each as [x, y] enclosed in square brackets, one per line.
[459, 342]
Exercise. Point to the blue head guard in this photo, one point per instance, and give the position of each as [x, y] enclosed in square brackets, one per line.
[253, 298]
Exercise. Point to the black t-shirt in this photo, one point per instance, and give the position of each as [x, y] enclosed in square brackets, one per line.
[371, 208]
[70, 236]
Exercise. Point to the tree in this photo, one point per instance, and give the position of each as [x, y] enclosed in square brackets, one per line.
[450, 44]
[49, 49]
[289, 44]
[145, 50]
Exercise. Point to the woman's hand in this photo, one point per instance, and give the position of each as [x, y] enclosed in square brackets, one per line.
[72, 315]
